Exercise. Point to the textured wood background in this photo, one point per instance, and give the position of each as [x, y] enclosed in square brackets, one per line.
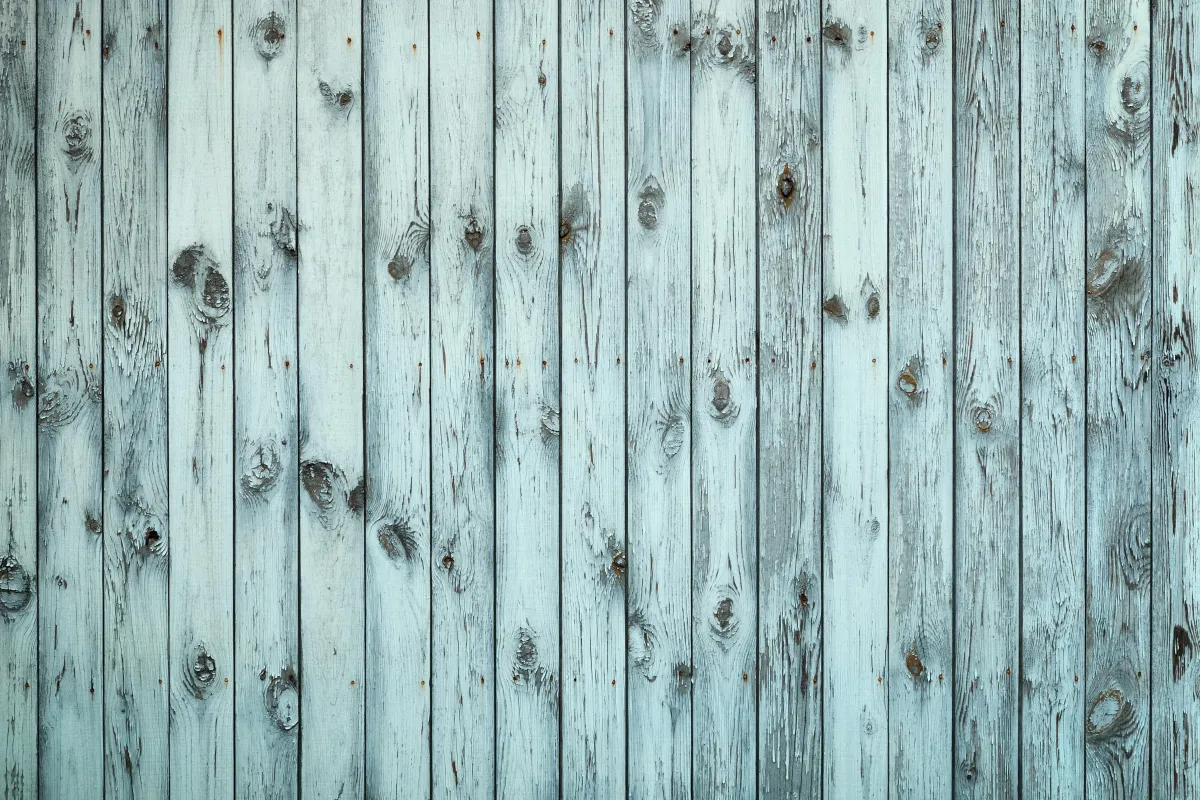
[591, 398]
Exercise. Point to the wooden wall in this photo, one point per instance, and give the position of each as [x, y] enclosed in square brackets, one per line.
[599, 398]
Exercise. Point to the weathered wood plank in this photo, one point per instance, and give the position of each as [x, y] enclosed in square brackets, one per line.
[724, 399]
[658, 220]
[69, 389]
[527, 372]
[18, 412]
[1117, 688]
[987, 398]
[396, 173]
[266, 439]
[921, 394]
[1052, 398]
[462, 391]
[200, 396]
[332, 460]
[855, 388]
[1175, 52]
[136, 698]
[789, 387]
[594, 558]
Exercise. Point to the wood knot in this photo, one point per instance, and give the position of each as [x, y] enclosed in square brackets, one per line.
[873, 305]
[524, 240]
[77, 136]
[983, 418]
[1108, 715]
[724, 614]
[22, 391]
[473, 233]
[340, 99]
[399, 267]
[834, 308]
[282, 699]
[913, 663]
[16, 587]
[399, 541]
[195, 270]
[565, 231]
[1097, 45]
[151, 541]
[117, 312]
[448, 561]
[837, 33]
[720, 399]
[268, 35]
[933, 39]
[785, 187]
[907, 382]
[619, 563]
[1181, 651]
[725, 45]
[201, 673]
[317, 477]
[650, 201]
[284, 232]
[263, 468]
[356, 501]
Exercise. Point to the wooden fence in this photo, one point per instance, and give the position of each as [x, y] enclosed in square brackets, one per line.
[599, 398]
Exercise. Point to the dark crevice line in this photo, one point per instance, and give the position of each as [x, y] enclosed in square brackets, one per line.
[429, 357]
[366, 371]
[103, 440]
[167, 343]
[952, 667]
[1086, 428]
[299, 411]
[1020, 393]
[494, 431]
[754, 181]
[821, 377]
[561, 251]
[625, 427]
[233, 331]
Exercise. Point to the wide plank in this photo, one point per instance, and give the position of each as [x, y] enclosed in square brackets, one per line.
[69, 393]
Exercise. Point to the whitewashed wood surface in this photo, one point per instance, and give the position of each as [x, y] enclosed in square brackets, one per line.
[599, 398]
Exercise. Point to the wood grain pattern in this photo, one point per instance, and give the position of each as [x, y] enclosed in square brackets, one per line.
[332, 460]
[1175, 581]
[921, 398]
[724, 399]
[266, 435]
[1053, 353]
[528, 426]
[1117, 692]
[645, 398]
[658, 220]
[69, 393]
[136, 702]
[987, 422]
[462, 404]
[200, 397]
[855, 394]
[396, 267]
[790, 600]
[594, 556]
[18, 411]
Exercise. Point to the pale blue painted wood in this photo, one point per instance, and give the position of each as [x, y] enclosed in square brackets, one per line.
[266, 438]
[1053, 354]
[69, 385]
[136, 694]
[18, 411]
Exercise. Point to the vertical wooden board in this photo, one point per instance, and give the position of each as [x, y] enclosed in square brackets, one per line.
[527, 400]
[266, 437]
[396, 174]
[987, 398]
[134, 53]
[921, 397]
[1117, 689]
[594, 558]
[724, 399]
[70, 557]
[1052, 402]
[854, 381]
[18, 450]
[658, 460]
[1175, 50]
[329, 184]
[789, 387]
[462, 388]
[200, 396]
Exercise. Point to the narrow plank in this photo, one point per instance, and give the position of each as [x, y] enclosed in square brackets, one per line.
[789, 386]
[266, 437]
[1117, 688]
[854, 382]
[1175, 50]
[18, 357]
[463, 659]
[527, 370]
[136, 699]
[724, 399]
[1052, 398]
[921, 397]
[200, 396]
[396, 174]
[987, 398]
[659, 413]
[594, 558]
[69, 389]
[329, 199]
